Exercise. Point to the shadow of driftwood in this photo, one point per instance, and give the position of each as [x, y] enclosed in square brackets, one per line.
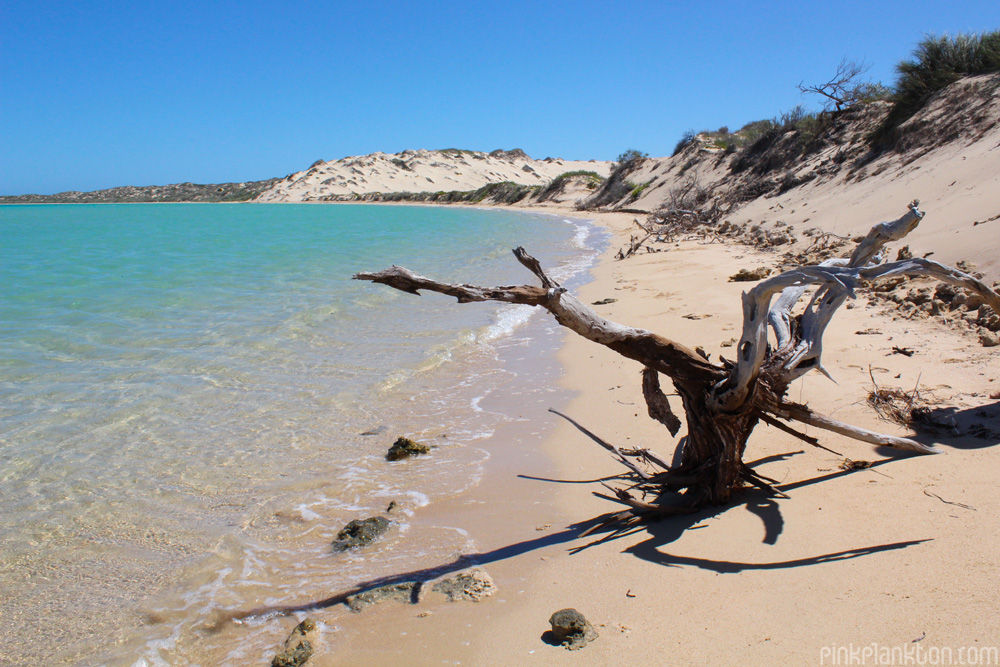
[649, 551]
[661, 532]
[977, 427]
[422, 575]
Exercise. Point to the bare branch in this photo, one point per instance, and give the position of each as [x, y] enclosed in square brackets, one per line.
[841, 90]
[886, 232]
[666, 356]
[804, 414]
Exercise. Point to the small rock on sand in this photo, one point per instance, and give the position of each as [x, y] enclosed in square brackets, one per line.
[571, 629]
[471, 585]
[748, 275]
[406, 592]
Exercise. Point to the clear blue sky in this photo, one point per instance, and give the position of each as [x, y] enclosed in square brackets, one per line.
[99, 94]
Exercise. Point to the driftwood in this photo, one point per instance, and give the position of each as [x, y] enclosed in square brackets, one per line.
[722, 403]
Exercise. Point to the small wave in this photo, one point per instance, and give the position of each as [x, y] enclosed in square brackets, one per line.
[509, 319]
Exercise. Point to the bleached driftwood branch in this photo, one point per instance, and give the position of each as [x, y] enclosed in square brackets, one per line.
[799, 352]
[646, 347]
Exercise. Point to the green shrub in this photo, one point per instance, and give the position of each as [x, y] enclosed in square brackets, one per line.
[686, 140]
[592, 180]
[629, 159]
[937, 62]
[637, 190]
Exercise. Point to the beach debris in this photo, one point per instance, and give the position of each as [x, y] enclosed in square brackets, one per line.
[298, 647]
[989, 339]
[848, 464]
[931, 494]
[392, 506]
[749, 275]
[473, 585]
[905, 351]
[407, 592]
[404, 448]
[571, 629]
[360, 532]
[603, 302]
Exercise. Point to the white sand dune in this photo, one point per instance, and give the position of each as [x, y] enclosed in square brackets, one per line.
[420, 171]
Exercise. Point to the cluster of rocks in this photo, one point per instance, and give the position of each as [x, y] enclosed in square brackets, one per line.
[763, 238]
[469, 586]
[954, 304]
[569, 628]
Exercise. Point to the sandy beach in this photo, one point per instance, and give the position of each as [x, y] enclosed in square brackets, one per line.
[899, 555]
[232, 435]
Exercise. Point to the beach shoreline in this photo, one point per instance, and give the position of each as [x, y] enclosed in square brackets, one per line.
[757, 582]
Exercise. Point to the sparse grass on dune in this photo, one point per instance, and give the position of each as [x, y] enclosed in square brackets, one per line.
[937, 62]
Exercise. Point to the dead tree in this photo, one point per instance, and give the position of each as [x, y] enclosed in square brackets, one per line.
[722, 403]
[843, 89]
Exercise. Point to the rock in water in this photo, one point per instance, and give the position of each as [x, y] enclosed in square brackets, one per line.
[404, 448]
[298, 647]
[360, 532]
[571, 629]
[470, 585]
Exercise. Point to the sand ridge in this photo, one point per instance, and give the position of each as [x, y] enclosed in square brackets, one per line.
[421, 171]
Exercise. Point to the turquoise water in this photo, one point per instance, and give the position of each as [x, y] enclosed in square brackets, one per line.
[183, 390]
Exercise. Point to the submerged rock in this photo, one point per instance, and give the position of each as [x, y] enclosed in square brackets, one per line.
[406, 592]
[360, 532]
[298, 647]
[404, 448]
[571, 629]
[471, 585]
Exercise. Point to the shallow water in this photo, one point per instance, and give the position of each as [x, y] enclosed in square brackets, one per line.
[183, 390]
